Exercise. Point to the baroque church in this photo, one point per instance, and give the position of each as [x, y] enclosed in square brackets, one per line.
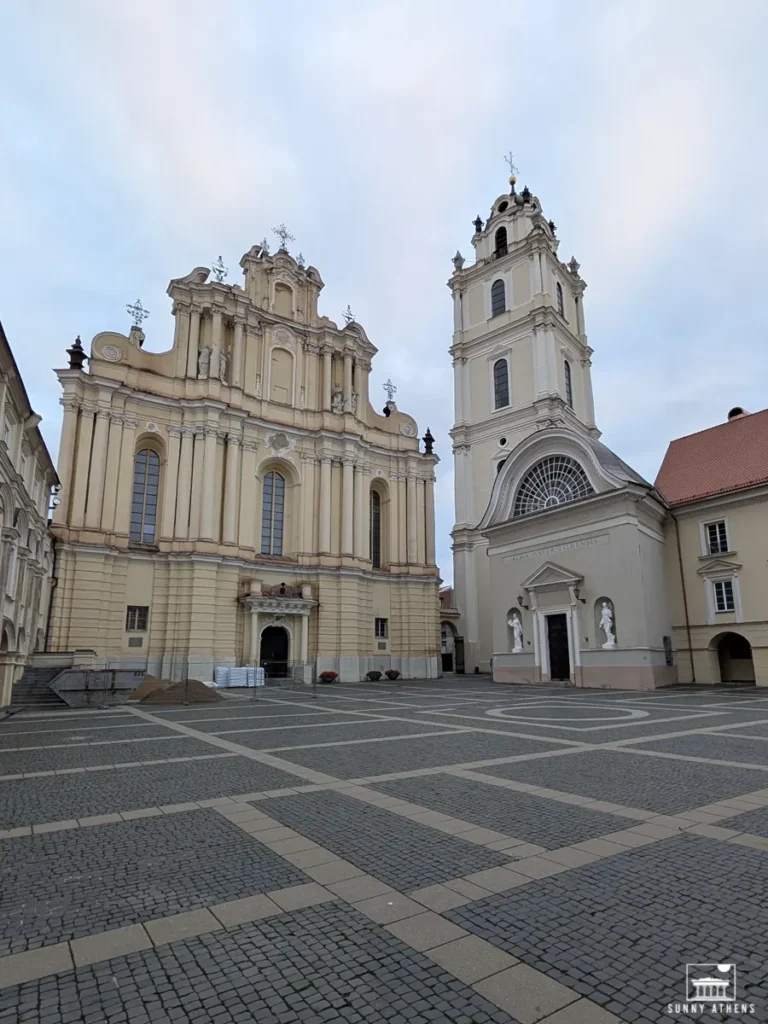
[236, 499]
[568, 565]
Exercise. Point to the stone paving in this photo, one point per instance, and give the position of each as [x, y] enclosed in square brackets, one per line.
[445, 851]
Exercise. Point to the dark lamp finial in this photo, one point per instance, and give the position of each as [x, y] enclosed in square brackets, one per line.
[76, 354]
[478, 222]
[429, 442]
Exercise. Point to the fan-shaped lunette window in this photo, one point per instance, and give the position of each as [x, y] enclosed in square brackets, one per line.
[553, 481]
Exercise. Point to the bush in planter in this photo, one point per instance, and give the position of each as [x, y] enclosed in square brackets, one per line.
[392, 673]
[329, 677]
[373, 675]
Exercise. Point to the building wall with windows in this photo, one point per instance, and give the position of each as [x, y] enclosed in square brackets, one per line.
[236, 499]
[27, 477]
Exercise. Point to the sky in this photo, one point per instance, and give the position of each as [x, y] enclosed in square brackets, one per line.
[142, 138]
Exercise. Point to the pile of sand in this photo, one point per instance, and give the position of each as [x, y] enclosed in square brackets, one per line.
[192, 692]
[149, 685]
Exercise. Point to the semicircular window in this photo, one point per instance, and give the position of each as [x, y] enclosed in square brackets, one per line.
[553, 481]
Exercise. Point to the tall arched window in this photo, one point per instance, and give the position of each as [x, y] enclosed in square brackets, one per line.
[272, 514]
[375, 529]
[498, 298]
[500, 384]
[500, 242]
[553, 481]
[559, 297]
[146, 484]
[568, 383]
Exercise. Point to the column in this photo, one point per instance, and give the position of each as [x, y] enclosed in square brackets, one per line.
[253, 658]
[196, 493]
[361, 508]
[393, 510]
[347, 508]
[216, 324]
[98, 465]
[236, 372]
[347, 381]
[66, 461]
[125, 478]
[421, 524]
[184, 487]
[82, 462]
[324, 540]
[209, 484]
[252, 371]
[194, 340]
[112, 474]
[357, 387]
[171, 484]
[412, 543]
[308, 502]
[248, 496]
[402, 537]
[3, 396]
[231, 487]
[304, 639]
[180, 338]
[459, 363]
[586, 382]
[327, 373]
[429, 513]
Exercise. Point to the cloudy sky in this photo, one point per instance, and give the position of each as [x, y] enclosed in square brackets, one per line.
[142, 138]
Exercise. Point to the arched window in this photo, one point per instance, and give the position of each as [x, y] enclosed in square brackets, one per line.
[500, 384]
[498, 298]
[272, 514]
[375, 529]
[500, 242]
[559, 298]
[146, 484]
[553, 481]
[568, 383]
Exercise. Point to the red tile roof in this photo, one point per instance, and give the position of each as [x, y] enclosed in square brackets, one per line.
[729, 457]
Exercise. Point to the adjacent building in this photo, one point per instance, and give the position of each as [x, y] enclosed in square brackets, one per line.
[27, 477]
[236, 499]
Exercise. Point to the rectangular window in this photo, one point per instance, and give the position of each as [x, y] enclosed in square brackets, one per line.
[717, 537]
[724, 601]
[381, 628]
[136, 618]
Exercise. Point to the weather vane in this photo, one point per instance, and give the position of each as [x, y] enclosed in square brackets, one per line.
[390, 388]
[349, 316]
[510, 161]
[138, 313]
[283, 234]
[219, 270]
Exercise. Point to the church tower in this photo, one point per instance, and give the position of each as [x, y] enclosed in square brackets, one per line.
[521, 364]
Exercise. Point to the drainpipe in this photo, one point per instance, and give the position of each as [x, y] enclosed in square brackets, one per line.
[685, 595]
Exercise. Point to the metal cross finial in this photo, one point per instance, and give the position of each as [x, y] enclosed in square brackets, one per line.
[219, 270]
[138, 313]
[349, 316]
[283, 234]
[510, 161]
[390, 388]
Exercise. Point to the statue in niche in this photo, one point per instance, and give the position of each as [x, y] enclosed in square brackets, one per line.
[353, 403]
[204, 362]
[337, 400]
[222, 367]
[606, 624]
[517, 632]
[258, 385]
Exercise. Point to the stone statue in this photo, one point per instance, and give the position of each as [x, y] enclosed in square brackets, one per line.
[517, 631]
[337, 400]
[258, 385]
[606, 624]
[204, 362]
[353, 403]
[222, 367]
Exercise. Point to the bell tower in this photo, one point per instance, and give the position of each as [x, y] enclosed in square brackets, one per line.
[521, 363]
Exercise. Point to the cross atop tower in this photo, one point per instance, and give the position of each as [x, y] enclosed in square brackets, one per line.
[137, 313]
[510, 161]
[283, 234]
[390, 388]
[219, 270]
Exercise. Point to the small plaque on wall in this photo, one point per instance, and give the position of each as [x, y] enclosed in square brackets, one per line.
[135, 641]
[382, 645]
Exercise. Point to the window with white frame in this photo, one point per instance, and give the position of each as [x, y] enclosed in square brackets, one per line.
[136, 618]
[724, 599]
[716, 535]
[381, 628]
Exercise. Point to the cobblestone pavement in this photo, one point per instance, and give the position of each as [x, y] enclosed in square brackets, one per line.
[443, 851]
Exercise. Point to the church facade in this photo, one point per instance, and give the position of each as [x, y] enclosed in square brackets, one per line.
[237, 500]
[558, 544]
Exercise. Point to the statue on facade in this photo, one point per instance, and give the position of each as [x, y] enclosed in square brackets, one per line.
[222, 368]
[337, 400]
[606, 624]
[353, 403]
[517, 632]
[204, 362]
[257, 391]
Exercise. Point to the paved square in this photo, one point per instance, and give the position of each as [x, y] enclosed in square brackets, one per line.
[241, 876]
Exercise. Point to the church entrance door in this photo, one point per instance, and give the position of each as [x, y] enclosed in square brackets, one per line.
[274, 652]
[557, 638]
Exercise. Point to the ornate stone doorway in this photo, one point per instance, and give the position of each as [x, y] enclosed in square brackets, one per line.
[274, 652]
